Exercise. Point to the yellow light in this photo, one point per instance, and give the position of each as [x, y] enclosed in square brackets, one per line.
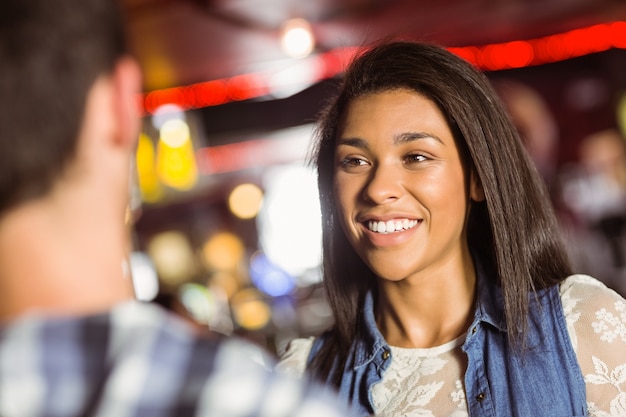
[223, 251]
[249, 309]
[245, 201]
[175, 133]
[172, 256]
[176, 163]
[149, 185]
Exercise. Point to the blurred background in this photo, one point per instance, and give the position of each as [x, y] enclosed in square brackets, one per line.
[226, 219]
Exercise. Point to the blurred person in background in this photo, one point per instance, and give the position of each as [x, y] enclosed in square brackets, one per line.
[535, 123]
[451, 288]
[594, 191]
[72, 340]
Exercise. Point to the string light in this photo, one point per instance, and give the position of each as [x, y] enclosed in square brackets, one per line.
[492, 57]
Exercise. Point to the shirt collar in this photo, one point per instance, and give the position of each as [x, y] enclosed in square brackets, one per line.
[369, 341]
[489, 300]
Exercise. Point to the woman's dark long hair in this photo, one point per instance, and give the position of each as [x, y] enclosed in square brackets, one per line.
[514, 230]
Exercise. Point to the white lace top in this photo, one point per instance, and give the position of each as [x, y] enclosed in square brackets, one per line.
[428, 382]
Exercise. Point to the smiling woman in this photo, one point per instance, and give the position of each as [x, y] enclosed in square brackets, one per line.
[450, 286]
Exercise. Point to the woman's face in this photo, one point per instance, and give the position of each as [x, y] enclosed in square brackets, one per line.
[400, 189]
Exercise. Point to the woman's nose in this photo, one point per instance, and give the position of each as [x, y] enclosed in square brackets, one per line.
[384, 184]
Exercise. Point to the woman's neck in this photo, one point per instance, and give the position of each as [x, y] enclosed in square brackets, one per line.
[428, 309]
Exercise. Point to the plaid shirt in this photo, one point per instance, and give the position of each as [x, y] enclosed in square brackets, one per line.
[139, 360]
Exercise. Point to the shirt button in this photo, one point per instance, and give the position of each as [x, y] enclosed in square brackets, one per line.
[473, 329]
[386, 355]
[480, 397]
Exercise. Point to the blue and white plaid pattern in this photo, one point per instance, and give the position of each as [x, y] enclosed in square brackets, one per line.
[139, 360]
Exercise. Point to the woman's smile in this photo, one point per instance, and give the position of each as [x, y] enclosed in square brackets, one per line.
[390, 233]
[390, 226]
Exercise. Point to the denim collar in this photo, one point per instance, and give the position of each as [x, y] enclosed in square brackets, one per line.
[489, 299]
[370, 343]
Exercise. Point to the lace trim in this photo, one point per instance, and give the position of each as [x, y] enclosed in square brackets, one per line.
[429, 352]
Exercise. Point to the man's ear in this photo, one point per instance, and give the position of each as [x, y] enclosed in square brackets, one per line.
[476, 188]
[127, 82]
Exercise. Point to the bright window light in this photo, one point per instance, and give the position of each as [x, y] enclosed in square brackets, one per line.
[289, 222]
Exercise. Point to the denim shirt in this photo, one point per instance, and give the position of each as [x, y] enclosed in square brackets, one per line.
[544, 380]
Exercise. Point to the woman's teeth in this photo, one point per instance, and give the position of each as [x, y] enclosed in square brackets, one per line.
[391, 225]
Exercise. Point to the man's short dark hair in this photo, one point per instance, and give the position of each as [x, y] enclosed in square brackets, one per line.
[51, 52]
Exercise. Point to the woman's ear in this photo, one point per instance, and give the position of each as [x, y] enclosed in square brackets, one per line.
[476, 189]
[127, 81]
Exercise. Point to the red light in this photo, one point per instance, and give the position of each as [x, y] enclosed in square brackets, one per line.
[515, 54]
[617, 34]
[557, 48]
[157, 98]
[210, 93]
[242, 87]
[600, 38]
[578, 40]
[492, 57]
[469, 53]
[332, 64]
[231, 157]
[541, 50]
[518, 54]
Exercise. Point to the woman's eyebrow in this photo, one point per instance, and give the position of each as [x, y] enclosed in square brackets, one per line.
[356, 142]
[398, 139]
[412, 136]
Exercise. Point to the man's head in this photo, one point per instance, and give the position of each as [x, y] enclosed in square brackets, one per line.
[51, 53]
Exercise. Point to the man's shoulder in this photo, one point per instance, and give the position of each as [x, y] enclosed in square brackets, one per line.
[134, 356]
[140, 359]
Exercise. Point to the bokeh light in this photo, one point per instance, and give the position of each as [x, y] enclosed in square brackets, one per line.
[176, 162]
[245, 200]
[270, 278]
[173, 257]
[250, 310]
[175, 133]
[297, 38]
[147, 178]
[165, 113]
[223, 251]
[227, 281]
[198, 301]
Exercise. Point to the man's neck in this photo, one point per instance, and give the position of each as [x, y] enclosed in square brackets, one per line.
[61, 257]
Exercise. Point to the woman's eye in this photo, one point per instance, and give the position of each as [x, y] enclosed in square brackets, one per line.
[352, 162]
[415, 158]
